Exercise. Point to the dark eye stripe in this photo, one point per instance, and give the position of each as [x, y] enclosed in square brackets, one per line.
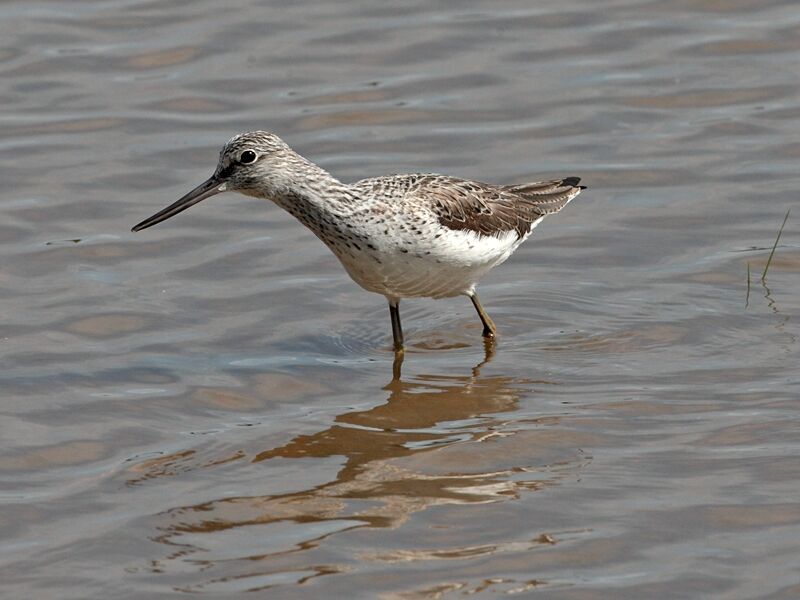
[226, 172]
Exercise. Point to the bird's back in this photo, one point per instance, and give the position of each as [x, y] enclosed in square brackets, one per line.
[482, 208]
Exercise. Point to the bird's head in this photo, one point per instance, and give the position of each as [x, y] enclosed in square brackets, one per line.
[257, 163]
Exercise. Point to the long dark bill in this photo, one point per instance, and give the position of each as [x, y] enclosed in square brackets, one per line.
[208, 188]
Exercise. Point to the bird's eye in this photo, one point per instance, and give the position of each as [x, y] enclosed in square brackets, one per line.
[247, 157]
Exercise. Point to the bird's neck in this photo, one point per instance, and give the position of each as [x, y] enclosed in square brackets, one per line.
[313, 196]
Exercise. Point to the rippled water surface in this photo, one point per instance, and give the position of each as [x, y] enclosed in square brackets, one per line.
[208, 406]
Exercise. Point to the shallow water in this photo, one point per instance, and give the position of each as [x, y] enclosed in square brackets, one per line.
[208, 406]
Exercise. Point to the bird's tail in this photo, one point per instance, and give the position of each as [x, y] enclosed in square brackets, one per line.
[548, 196]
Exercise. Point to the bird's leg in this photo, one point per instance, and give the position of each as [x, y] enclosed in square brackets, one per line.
[397, 365]
[489, 328]
[397, 331]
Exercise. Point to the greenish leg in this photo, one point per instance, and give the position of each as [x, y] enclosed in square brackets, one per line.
[489, 328]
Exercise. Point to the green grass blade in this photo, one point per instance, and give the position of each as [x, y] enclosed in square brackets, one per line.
[775, 245]
[747, 298]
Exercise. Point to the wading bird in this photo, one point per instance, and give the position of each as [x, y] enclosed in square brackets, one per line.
[402, 236]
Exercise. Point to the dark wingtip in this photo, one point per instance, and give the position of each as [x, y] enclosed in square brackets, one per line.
[573, 182]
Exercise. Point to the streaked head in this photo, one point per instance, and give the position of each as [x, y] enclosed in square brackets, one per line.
[252, 163]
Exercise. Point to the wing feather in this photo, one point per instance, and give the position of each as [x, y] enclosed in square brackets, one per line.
[486, 209]
[494, 210]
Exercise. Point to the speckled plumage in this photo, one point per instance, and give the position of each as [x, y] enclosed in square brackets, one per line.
[402, 236]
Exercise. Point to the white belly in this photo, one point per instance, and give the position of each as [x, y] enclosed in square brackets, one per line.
[431, 267]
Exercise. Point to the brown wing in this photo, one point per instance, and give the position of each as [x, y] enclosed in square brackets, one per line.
[493, 210]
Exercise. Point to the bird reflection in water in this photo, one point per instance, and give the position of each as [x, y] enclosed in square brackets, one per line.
[437, 440]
